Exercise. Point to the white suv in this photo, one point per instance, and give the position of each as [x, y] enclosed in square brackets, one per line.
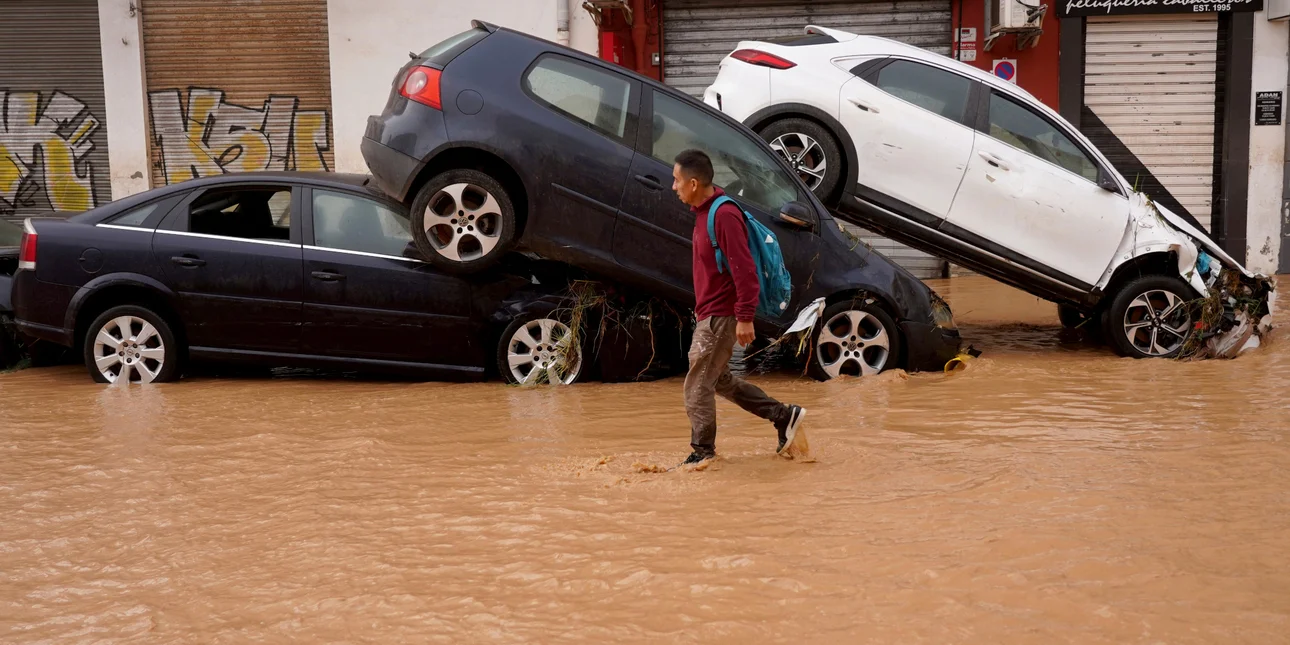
[956, 162]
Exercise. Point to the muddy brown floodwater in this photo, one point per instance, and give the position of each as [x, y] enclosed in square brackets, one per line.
[1049, 493]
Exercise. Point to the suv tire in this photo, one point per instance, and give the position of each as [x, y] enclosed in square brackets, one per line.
[1150, 317]
[815, 145]
[872, 348]
[133, 341]
[463, 221]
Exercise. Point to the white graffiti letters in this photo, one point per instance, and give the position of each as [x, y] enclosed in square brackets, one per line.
[211, 136]
[43, 164]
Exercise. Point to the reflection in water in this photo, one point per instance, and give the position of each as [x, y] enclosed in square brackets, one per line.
[1050, 492]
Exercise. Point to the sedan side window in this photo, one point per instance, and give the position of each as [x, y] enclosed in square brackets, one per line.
[351, 223]
[742, 169]
[934, 90]
[1024, 130]
[258, 213]
[590, 95]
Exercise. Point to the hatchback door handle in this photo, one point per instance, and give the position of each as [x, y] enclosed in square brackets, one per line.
[649, 182]
[864, 105]
[328, 276]
[187, 261]
[993, 160]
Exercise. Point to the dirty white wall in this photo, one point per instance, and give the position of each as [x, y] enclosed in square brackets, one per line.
[370, 41]
[1267, 147]
[121, 37]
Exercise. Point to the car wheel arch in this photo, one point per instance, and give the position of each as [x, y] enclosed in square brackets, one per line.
[1148, 263]
[482, 160]
[769, 115]
[105, 293]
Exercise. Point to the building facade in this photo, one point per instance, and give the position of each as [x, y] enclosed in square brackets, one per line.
[106, 98]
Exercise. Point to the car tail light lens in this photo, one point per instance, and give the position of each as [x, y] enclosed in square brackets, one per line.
[27, 247]
[754, 57]
[422, 85]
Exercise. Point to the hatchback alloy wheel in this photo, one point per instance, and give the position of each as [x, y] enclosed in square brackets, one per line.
[463, 222]
[854, 343]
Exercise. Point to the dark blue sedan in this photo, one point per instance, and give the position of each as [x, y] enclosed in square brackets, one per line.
[280, 269]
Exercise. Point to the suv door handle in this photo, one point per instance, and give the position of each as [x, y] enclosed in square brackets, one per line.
[993, 160]
[188, 261]
[328, 276]
[649, 182]
[864, 105]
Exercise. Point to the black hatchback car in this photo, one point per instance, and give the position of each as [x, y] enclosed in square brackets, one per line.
[283, 269]
[501, 141]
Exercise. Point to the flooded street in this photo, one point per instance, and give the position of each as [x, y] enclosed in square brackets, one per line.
[1052, 492]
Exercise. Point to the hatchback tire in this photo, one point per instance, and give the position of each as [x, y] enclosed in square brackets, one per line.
[539, 347]
[853, 338]
[810, 150]
[131, 344]
[463, 221]
[1150, 317]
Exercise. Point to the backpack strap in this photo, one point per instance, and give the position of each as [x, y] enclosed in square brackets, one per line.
[712, 229]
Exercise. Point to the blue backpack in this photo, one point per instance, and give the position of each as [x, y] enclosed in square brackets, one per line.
[772, 275]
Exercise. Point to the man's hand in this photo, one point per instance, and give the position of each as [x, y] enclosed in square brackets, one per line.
[745, 334]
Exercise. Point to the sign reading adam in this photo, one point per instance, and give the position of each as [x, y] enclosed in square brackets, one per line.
[1074, 8]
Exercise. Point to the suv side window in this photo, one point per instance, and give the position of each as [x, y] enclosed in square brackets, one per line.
[742, 169]
[250, 213]
[1027, 131]
[593, 96]
[352, 223]
[934, 90]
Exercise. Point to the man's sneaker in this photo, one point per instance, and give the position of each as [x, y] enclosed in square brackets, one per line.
[697, 457]
[788, 428]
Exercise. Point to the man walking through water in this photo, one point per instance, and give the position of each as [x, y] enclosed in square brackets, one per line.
[724, 306]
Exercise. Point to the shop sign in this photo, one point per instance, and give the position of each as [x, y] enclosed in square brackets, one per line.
[1076, 8]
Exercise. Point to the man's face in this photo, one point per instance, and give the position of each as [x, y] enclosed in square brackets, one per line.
[686, 187]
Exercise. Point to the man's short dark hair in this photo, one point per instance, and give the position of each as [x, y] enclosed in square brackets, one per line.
[695, 164]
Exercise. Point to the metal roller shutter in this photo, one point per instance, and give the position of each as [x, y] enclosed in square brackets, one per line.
[53, 123]
[237, 85]
[697, 34]
[1151, 86]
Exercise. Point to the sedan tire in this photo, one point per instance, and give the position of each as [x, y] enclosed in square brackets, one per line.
[463, 221]
[1150, 317]
[538, 347]
[853, 338]
[131, 344]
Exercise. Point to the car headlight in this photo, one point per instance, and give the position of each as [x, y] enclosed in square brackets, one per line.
[941, 314]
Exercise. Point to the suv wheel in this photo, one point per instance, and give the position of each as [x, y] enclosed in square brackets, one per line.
[810, 150]
[463, 221]
[855, 339]
[539, 348]
[1150, 317]
[131, 344]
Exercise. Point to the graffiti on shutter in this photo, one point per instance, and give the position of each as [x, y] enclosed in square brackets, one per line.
[44, 153]
[211, 136]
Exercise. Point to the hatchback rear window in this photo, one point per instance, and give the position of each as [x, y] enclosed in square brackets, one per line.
[446, 50]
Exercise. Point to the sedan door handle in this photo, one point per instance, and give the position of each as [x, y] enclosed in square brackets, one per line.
[993, 160]
[649, 182]
[328, 276]
[187, 261]
[863, 105]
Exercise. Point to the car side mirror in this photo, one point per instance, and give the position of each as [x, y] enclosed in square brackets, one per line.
[1105, 182]
[796, 215]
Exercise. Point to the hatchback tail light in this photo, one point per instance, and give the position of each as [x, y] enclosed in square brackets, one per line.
[27, 247]
[422, 85]
[755, 57]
